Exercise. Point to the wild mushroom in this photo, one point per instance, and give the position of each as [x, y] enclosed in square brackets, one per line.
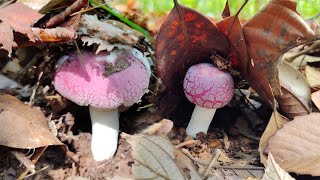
[104, 82]
[208, 88]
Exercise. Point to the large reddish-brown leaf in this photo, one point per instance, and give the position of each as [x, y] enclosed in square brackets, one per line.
[232, 28]
[186, 38]
[273, 31]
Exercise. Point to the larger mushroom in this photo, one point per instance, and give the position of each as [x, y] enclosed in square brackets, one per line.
[104, 82]
[208, 88]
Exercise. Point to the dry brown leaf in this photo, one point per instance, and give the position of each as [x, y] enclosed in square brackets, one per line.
[313, 76]
[300, 61]
[315, 97]
[63, 16]
[154, 157]
[274, 171]
[34, 4]
[276, 122]
[106, 34]
[160, 128]
[296, 146]
[19, 18]
[55, 34]
[266, 42]
[23, 126]
[295, 99]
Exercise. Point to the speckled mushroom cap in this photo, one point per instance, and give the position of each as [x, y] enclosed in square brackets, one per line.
[208, 87]
[96, 81]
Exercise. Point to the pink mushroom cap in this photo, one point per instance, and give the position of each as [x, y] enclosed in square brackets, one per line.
[208, 87]
[85, 82]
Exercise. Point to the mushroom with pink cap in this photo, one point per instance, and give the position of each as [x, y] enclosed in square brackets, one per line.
[104, 82]
[208, 88]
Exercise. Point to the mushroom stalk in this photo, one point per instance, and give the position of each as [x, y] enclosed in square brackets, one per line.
[105, 129]
[200, 120]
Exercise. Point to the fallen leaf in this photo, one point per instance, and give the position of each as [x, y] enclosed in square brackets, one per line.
[105, 34]
[154, 157]
[55, 4]
[34, 4]
[266, 42]
[296, 146]
[186, 38]
[300, 61]
[274, 171]
[23, 126]
[19, 18]
[160, 128]
[64, 15]
[237, 41]
[313, 76]
[276, 122]
[296, 95]
[315, 97]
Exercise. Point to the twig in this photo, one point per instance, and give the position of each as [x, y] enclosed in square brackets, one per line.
[213, 160]
[25, 161]
[305, 51]
[33, 162]
[127, 21]
[236, 16]
[187, 153]
[59, 18]
[186, 143]
[35, 89]
[36, 172]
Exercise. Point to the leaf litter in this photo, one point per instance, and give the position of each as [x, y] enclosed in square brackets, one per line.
[237, 155]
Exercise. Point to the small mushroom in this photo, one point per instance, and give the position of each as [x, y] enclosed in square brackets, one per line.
[208, 88]
[104, 82]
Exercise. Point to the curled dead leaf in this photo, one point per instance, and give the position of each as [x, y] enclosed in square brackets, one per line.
[266, 42]
[23, 126]
[296, 146]
[313, 76]
[296, 95]
[276, 122]
[19, 18]
[107, 35]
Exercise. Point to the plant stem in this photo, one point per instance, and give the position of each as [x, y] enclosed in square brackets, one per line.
[130, 23]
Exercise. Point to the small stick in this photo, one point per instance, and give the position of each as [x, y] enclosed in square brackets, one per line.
[33, 161]
[38, 155]
[187, 153]
[189, 142]
[213, 160]
[310, 48]
[36, 172]
[25, 161]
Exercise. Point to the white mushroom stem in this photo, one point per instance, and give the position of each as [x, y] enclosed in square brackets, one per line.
[200, 120]
[105, 130]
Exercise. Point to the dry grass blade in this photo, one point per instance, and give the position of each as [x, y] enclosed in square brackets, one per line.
[296, 146]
